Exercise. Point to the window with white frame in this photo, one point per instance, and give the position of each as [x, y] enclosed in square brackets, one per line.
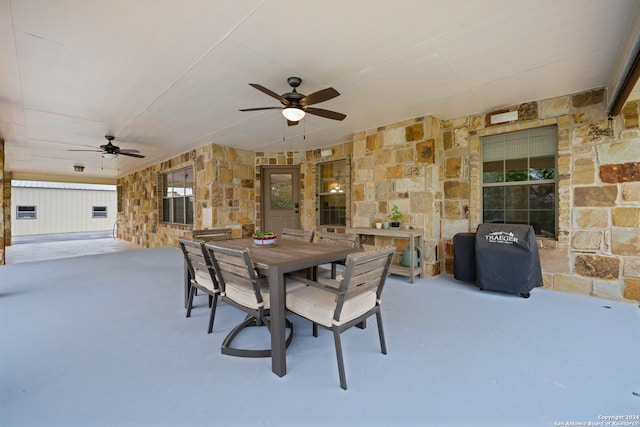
[519, 179]
[25, 212]
[177, 196]
[99, 212]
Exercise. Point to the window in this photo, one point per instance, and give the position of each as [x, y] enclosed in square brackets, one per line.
[99, 212]
[332, 197]
[120, 198]
[519, 179]
[177, 196]
[25, 212]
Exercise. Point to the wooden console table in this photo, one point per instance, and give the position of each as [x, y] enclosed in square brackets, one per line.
[412, 271]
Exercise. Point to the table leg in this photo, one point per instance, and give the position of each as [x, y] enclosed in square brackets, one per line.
[187, 283]
[278, 324]
[412, 249]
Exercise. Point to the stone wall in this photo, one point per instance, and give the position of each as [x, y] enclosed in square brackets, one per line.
[224, 186]
[597, 248]
[6, 182]
[227, 186]
[399, 164]
[3, 204]
[431, 169]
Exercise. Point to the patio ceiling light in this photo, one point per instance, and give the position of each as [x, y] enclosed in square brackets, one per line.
[293, 114]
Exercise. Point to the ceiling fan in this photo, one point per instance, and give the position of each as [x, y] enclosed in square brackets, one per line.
[296, 105]
[110, 151]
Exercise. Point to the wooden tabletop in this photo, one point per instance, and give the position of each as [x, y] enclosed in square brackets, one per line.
[297, 253]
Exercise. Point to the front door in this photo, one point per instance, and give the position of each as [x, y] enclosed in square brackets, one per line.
[280, 197]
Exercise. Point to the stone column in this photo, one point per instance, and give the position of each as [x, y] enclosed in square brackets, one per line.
[7, 209]
[4, 206]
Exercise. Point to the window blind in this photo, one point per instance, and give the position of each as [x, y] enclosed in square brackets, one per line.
[537, 142]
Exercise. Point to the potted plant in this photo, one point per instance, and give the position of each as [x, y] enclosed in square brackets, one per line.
[264, 238]
[395, 216]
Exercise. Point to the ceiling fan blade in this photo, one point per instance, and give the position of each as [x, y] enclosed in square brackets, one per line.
[129, 150]
[140, 156]
[319, 96]
[290, 123]
[96, 151]
[327, 114]
[261, 108]
[269, 92]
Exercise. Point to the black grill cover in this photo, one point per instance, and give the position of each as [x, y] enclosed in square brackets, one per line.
[507, 258]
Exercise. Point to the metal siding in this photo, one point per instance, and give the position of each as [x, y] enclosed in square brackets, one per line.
[62, 210]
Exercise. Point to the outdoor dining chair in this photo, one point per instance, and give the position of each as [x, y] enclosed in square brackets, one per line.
[339, 305]
[339, 239]
[294, 234]
[243, 287]
[201, 275]
[212, 234]
[302, 236]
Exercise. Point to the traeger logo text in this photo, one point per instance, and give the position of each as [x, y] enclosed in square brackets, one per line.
[501, 237]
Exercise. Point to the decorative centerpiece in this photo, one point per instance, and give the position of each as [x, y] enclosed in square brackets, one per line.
[395, 216]
[264, 238]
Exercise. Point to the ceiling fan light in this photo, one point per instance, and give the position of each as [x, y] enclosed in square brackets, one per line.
[293, 114]
[109, 156]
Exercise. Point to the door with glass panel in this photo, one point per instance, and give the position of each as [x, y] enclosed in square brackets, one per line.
[280, 197]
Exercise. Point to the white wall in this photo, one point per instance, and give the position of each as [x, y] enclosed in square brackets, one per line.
[61, 210]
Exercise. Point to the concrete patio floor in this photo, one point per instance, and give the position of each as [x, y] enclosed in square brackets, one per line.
[102, 340]
[63, 245]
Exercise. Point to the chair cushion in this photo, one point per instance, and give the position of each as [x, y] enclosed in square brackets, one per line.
[203, 278]
[319, 306]
[245, 295]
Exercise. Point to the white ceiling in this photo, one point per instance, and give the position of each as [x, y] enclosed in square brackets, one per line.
[166, 77]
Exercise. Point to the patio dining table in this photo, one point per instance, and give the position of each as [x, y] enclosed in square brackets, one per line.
[274, 262]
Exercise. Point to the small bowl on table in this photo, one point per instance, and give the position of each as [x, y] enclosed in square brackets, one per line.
[265, 240]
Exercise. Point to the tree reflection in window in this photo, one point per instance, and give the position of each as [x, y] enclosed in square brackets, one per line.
[281, 191]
